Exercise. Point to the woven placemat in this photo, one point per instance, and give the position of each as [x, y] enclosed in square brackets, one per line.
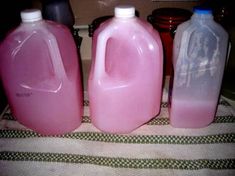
[155, 148]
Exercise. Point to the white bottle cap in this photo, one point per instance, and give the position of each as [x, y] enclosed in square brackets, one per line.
[124, 11]
[31, 15]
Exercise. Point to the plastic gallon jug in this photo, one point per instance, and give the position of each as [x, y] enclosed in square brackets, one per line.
[125, 81]
[199, 56]
[39, 70]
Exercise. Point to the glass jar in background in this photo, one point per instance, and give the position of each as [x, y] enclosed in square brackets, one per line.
[166, 20]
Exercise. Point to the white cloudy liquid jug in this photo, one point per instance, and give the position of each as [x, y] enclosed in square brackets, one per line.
[199, 56]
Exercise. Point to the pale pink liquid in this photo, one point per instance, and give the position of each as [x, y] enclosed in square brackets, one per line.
[38, 97]
[128, 94]
[192, 113]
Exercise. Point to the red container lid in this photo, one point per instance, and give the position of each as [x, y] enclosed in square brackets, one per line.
[168, 18]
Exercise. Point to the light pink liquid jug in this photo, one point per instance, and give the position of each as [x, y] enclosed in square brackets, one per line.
[199, 55]
[125, 81]
[40, 73]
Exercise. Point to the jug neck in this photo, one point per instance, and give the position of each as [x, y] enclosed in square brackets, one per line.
[202, 15]
[124, 12]
[33, 24]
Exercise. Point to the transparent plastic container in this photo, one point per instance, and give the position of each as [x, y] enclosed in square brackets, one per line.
[125, 81]
[40, 74]
[199, 57]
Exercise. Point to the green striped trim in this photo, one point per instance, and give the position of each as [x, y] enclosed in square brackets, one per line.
[217, 164]
[224, 102]
[218, 119]
[86, 103]
[86, 119]
[8, 116]
[166, 121]
[155, 121]
[116, 138]
[152, 139]
[165, 104]
[159, 121]
[224, 119]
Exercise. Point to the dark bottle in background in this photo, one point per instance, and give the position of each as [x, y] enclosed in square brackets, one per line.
[59, 11]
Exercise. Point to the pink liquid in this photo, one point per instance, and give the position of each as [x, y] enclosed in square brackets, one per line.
[40, 96]
[192, 113]
[128, 92]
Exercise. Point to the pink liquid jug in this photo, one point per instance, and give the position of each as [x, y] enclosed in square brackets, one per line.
[199, 56]
[40, 74]
[125, 81]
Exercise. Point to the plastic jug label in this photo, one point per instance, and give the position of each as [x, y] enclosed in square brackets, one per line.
[26, 94]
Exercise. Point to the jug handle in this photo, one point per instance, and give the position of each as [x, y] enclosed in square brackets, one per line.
[55, 55]
[99, 67]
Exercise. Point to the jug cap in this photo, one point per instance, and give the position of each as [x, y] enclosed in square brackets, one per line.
[202, 10]
[31, 15]
[124, 11]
